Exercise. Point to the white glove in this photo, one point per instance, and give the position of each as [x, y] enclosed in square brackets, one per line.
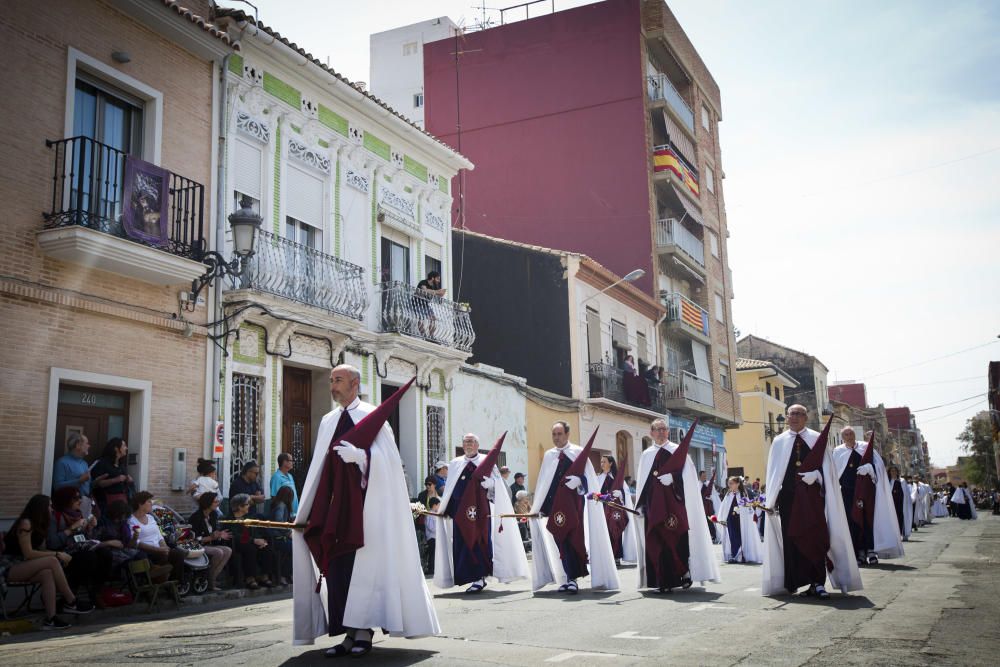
[866, 469]
[666, 480]
[351, 454]
[811, 477]
[617, 494]
[573, 482]
[487, 483]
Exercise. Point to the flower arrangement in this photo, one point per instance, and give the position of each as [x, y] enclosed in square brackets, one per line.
[417, 509]
[602, 497]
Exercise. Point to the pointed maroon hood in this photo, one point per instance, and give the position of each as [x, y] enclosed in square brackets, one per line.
[814, 459]
[679, 457]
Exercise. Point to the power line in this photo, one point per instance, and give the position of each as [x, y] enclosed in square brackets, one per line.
[944, 405]
[921, 363]
[950, 414]
[925, 384]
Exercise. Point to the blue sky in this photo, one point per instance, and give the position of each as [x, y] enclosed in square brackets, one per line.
[861, 149]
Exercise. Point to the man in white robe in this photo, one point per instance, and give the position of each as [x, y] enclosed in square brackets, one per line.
[882, 538]
[903, 506]
[385, 585]
[547, 566]
[453, 564]
[921, 508]
[696, 546]
[786, 568]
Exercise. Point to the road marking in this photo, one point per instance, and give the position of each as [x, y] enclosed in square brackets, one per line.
[631, 634]
[703, 607]
[563, 657]
[751, 590]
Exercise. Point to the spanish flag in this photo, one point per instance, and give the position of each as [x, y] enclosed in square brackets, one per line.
[664, 159]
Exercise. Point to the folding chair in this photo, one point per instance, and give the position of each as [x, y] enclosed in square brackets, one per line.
[142, 583]
[30, 591]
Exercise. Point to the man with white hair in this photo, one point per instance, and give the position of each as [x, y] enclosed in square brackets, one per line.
[457, 563]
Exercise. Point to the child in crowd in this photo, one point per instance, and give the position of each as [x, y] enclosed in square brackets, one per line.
[430, 530]
[207, 480]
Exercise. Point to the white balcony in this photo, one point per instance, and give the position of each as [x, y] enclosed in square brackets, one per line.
[672, 237]
[685, 316]
[661, 90]
[683, 387]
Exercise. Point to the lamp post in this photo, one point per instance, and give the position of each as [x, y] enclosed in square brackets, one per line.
[631, 276]
[245, 224]
[770, 433]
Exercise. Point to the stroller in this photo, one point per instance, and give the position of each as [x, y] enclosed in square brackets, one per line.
[177, 533]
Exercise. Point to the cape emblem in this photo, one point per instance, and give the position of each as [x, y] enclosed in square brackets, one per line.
[471, 513]
[559, 518]
[617, 516]
[861, 503]
[672, 521]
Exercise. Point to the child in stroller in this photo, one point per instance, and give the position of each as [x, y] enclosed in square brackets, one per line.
[177, 533]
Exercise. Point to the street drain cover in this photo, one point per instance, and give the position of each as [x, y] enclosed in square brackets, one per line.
[181, 651]
[203, 633]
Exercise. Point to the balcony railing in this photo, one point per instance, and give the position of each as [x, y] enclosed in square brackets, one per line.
[690, 387]
[683, 310]
[88, 191]
[297, 272]
[670, 232]
[660, 88]
[667, 159]
[413, 312]
[606, 381]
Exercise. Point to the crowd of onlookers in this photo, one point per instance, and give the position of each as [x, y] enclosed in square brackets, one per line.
[78, 543]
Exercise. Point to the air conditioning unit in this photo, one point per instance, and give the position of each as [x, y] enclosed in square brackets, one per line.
[178, 476]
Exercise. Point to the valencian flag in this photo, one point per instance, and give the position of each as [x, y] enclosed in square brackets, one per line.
[566, 518]
[617, 518]
[863, 511]
[807, 526]
[336, 522]
[666, 520]
[473, 515]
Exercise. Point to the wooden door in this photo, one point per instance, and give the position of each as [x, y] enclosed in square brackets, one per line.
[99, 414]
[622, 453]
[296, 428]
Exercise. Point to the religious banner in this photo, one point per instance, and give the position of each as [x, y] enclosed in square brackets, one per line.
[665, 159]
[145, 202]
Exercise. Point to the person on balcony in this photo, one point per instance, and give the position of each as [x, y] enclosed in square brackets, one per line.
[428, 290]
[629, 365]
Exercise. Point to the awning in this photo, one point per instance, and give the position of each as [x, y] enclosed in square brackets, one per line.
[686, 206]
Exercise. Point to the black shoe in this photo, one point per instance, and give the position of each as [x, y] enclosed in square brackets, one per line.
[55, 623]
[78, 607]
[821, 593]
[340, 650]
[873, 559]
[686, 581]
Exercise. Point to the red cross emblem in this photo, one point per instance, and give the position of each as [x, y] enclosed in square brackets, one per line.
[470, 513]
[559, 518]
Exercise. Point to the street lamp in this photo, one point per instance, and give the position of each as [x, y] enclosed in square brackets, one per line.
[630, 277]
[244, 223]
[770, 433]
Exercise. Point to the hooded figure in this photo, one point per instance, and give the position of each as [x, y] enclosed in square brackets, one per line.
[473, 541]
[675, 547]
[899, 490]
[806, 534]
[569, 535]
[621, 528]
[359, 543]
[867, 500]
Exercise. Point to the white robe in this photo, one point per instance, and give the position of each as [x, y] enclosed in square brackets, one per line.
[509, 560]
[702, 563]
[845, 575]
[962, 496]
[907, 508]
[888, 542]
[546, 567]
[628, 537]
[387, 583]
[751, 549]
[921, 508]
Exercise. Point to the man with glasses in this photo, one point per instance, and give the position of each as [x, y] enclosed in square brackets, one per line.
[799, 553]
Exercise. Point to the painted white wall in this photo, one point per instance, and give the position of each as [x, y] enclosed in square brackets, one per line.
[396, 71]
[488, 407]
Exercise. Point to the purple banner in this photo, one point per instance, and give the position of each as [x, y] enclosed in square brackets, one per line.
[145, 202]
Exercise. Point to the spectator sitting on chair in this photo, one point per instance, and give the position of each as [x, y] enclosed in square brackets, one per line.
[247, 482]
[150, 540]
[248, 546]
[282, 478]
[518, 485]
[281, 538]
[205, 526]
[111, 479]
[73, 533]
[72, 469]
[23, 561]
[113, 528]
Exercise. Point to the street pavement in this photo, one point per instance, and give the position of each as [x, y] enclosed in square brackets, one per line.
[939, 604]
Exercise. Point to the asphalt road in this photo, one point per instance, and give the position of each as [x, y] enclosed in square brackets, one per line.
[940, 604]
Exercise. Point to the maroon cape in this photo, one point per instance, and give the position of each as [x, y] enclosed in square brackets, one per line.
[863, 509]
[807, 527]
[473, 515]
[565, 520]
[336, 522]
[666, 518]
[617, 519]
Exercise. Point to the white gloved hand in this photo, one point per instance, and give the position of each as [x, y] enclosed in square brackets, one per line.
[573, 482]
[487, 483]
[351, 454]
[617, 494]
[866, 469]
[666, 480]
[811, 477]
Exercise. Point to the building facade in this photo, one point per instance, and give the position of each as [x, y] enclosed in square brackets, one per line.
[108, 175]
[912, 447]
[808, 371]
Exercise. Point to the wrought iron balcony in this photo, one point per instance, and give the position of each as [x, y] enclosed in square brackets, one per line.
[671, 234]
[606, 381]
[89, 191]
[297, 272]
[414, 312]
[688, 387]
[686, 315]
[660, 88]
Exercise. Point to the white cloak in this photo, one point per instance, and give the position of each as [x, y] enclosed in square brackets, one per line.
[938, 509]
[546, 567]
[962, 496]
[751, 549]
[888, 542]
[921, 508]
[907, 507]
[845, 575]
[628, 537]
[702, 562]
[509, 560]
[387, 584]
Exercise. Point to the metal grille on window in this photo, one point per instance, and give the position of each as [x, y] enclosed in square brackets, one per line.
[299, 465]
[245, 443]
[437, 448]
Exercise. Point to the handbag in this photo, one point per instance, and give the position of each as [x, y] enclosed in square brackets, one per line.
[112, 598]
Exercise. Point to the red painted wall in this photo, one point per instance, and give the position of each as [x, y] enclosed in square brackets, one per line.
[898, 417]
[852, 394]
[552, 116]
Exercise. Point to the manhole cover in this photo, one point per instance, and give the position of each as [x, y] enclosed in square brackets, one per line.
[181, 651]
[202, 633]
